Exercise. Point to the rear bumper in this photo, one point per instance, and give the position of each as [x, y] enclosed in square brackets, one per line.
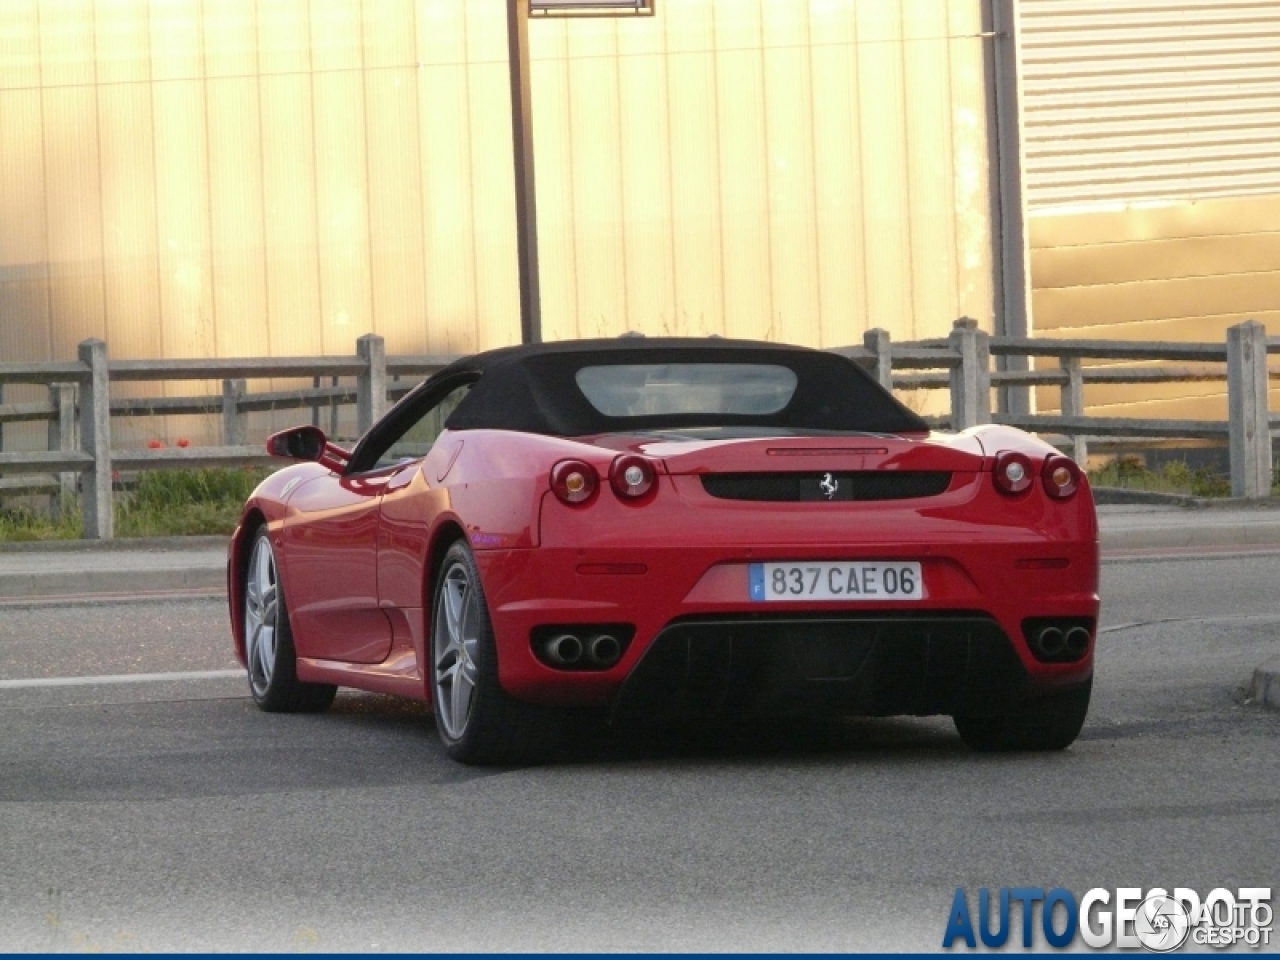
[702, 647]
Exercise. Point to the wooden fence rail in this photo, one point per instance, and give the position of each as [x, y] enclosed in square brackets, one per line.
[80, 407]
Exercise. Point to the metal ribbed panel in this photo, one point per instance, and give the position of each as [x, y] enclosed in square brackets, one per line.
[1133, 100]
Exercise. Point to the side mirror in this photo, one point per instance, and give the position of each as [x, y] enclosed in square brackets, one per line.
[307, 443]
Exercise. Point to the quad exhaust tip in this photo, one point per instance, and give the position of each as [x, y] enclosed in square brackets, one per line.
[1051, 642]
[593, 647]
[564, 649]
[603, 650]
[1077, 640]
[1058, 641]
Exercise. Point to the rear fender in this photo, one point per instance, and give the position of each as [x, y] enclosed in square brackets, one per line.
[498, 480]
[995, 439]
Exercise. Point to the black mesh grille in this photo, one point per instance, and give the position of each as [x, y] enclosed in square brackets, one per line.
[862, 485]
[875, 665]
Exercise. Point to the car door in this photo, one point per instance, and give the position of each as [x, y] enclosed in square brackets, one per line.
[334, 534]
[331, 539]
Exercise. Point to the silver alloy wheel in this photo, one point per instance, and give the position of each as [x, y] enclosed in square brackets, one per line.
[455, 642]
[261, 613]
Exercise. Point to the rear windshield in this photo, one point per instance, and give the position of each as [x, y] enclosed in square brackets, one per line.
[657, 389]
[594, 387]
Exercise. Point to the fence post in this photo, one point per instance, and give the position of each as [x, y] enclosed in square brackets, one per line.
[1073, 405]
[1250, 427]
[371, 384]
[971, 380]
[878, 342]
[233, 432]
[95, 440]
[62, 437]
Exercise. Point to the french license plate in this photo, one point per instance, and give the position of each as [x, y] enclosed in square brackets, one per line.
[861, 580]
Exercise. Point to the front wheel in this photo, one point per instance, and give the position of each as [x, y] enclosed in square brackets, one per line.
[1050, 722]
[477, 721]
[268, 641]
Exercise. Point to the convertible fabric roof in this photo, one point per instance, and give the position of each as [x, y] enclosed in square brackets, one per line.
[532, 388]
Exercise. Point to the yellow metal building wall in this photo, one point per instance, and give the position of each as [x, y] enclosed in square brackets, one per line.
[193, 178]
[1177, 271]
[1152, 177]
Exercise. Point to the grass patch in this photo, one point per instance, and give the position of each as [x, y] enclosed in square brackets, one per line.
[1131, 473]
[174, 503]
[23, 525]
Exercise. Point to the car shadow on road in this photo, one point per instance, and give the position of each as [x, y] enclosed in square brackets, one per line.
[827, 740]
[590, 739]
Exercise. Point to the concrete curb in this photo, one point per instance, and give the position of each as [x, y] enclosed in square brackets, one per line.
[73, 571]
[1266, 684]
[1171, 526]
[1203, 532]
[1121, 496]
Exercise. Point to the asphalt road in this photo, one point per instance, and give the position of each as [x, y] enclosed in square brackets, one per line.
[173, 815]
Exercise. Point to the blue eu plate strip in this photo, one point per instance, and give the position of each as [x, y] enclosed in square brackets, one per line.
[757, 581]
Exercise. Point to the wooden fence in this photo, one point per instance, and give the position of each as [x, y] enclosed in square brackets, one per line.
[80, 408]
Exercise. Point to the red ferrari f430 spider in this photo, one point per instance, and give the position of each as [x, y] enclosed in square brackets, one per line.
[670, 530]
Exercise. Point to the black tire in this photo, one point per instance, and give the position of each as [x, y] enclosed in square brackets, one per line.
[1050, 722]
[492, 727]
[272, 661]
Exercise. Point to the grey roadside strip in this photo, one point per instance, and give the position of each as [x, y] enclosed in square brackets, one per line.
[83, 599]
[36, 682]
[177, 576]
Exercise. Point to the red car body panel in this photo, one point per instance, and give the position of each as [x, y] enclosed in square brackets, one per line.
[356, 553]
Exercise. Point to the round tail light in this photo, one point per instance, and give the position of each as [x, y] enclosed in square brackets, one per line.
[573, 481]
[1013, 473]
[1060, 476]
[632, 477]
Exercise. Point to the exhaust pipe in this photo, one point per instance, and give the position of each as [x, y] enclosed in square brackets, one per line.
[1051, 642]
[603, 650]
[1077, 641]
[564, 649]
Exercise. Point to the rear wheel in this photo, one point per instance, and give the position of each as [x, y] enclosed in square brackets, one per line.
[268, 641]
[477, 721]
[1049, 722]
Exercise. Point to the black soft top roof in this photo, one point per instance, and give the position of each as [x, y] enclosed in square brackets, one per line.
[533, 389]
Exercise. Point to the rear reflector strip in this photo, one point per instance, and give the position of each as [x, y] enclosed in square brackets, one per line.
[1043, 563]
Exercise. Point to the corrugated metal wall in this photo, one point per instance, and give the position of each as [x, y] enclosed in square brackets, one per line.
[188, 178]
[1152, 134]
[1131, 100]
